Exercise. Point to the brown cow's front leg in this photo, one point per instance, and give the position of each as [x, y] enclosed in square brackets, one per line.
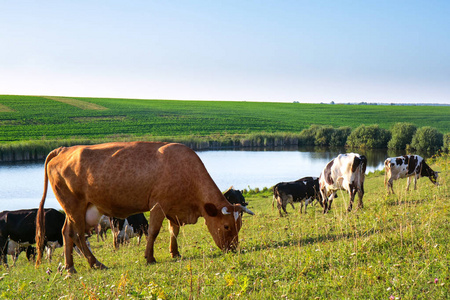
[156, 218]
[174, 230]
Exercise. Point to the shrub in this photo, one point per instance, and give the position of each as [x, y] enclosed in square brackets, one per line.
[339, 136]
[308, 136]
[402, 134]
[370, 137]
[446, 146]
[427, 139]
[323, 136]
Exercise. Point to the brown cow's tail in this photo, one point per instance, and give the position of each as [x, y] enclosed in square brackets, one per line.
[40, 219]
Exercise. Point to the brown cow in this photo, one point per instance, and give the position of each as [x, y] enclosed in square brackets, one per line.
[121, 179]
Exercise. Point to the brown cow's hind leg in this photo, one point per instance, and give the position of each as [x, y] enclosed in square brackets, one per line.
[78, 237]
[156, 219]
[68, 247]
[174, 230]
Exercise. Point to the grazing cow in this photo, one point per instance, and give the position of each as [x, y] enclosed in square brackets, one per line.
[122, 179]
[345, 172]
[235, 196]
[20, 227]
[103, 225]
[14, 249]
[407, 166]
[304, 190]
[124, 229]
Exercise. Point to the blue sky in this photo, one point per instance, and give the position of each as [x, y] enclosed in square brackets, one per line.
[307, 51]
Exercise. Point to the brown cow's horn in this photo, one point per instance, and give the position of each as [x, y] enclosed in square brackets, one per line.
[229, 189]
[245, 209]
[225, 211]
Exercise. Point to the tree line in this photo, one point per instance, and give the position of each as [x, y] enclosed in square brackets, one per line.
[401, 136]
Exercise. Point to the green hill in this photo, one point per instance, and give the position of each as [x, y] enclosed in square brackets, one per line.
[25, 118]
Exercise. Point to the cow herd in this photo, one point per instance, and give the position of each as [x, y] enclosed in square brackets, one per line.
[347, 172]
[113, 184]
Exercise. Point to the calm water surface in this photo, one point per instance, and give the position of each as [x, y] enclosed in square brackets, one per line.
[21, 184]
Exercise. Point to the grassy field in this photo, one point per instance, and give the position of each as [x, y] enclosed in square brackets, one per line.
[25, 118]
[397, 247]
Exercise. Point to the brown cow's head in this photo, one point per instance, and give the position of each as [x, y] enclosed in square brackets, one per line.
[224, 224]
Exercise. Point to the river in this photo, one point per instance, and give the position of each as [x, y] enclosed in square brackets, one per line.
[21, 184]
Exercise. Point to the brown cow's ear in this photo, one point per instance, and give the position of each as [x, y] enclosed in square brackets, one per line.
[211, 209]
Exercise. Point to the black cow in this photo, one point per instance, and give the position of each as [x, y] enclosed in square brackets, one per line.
[124, 229]
[235, 197]
[305, 190]
[20, 227]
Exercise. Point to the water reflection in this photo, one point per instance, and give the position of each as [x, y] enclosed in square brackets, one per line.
[21, 184]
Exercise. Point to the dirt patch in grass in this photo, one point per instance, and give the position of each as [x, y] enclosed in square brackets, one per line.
[78, 103]
[4, 108]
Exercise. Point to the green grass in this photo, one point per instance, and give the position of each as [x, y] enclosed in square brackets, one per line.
[25, 118]
[396, 246]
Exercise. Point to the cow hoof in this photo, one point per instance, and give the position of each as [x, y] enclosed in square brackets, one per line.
[100, 266]
[151, 261]
[71, 271]
[175, 255]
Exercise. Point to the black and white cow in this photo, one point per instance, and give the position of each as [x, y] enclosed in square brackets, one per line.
[345, 172]
[102, 227]
[20, 227]
[14, 249]
[407, 166]
[305, 190]
[235, 196]
[124, 229]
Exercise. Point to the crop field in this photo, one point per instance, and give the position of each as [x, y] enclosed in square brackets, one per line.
[397, 247]
[27, 118]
